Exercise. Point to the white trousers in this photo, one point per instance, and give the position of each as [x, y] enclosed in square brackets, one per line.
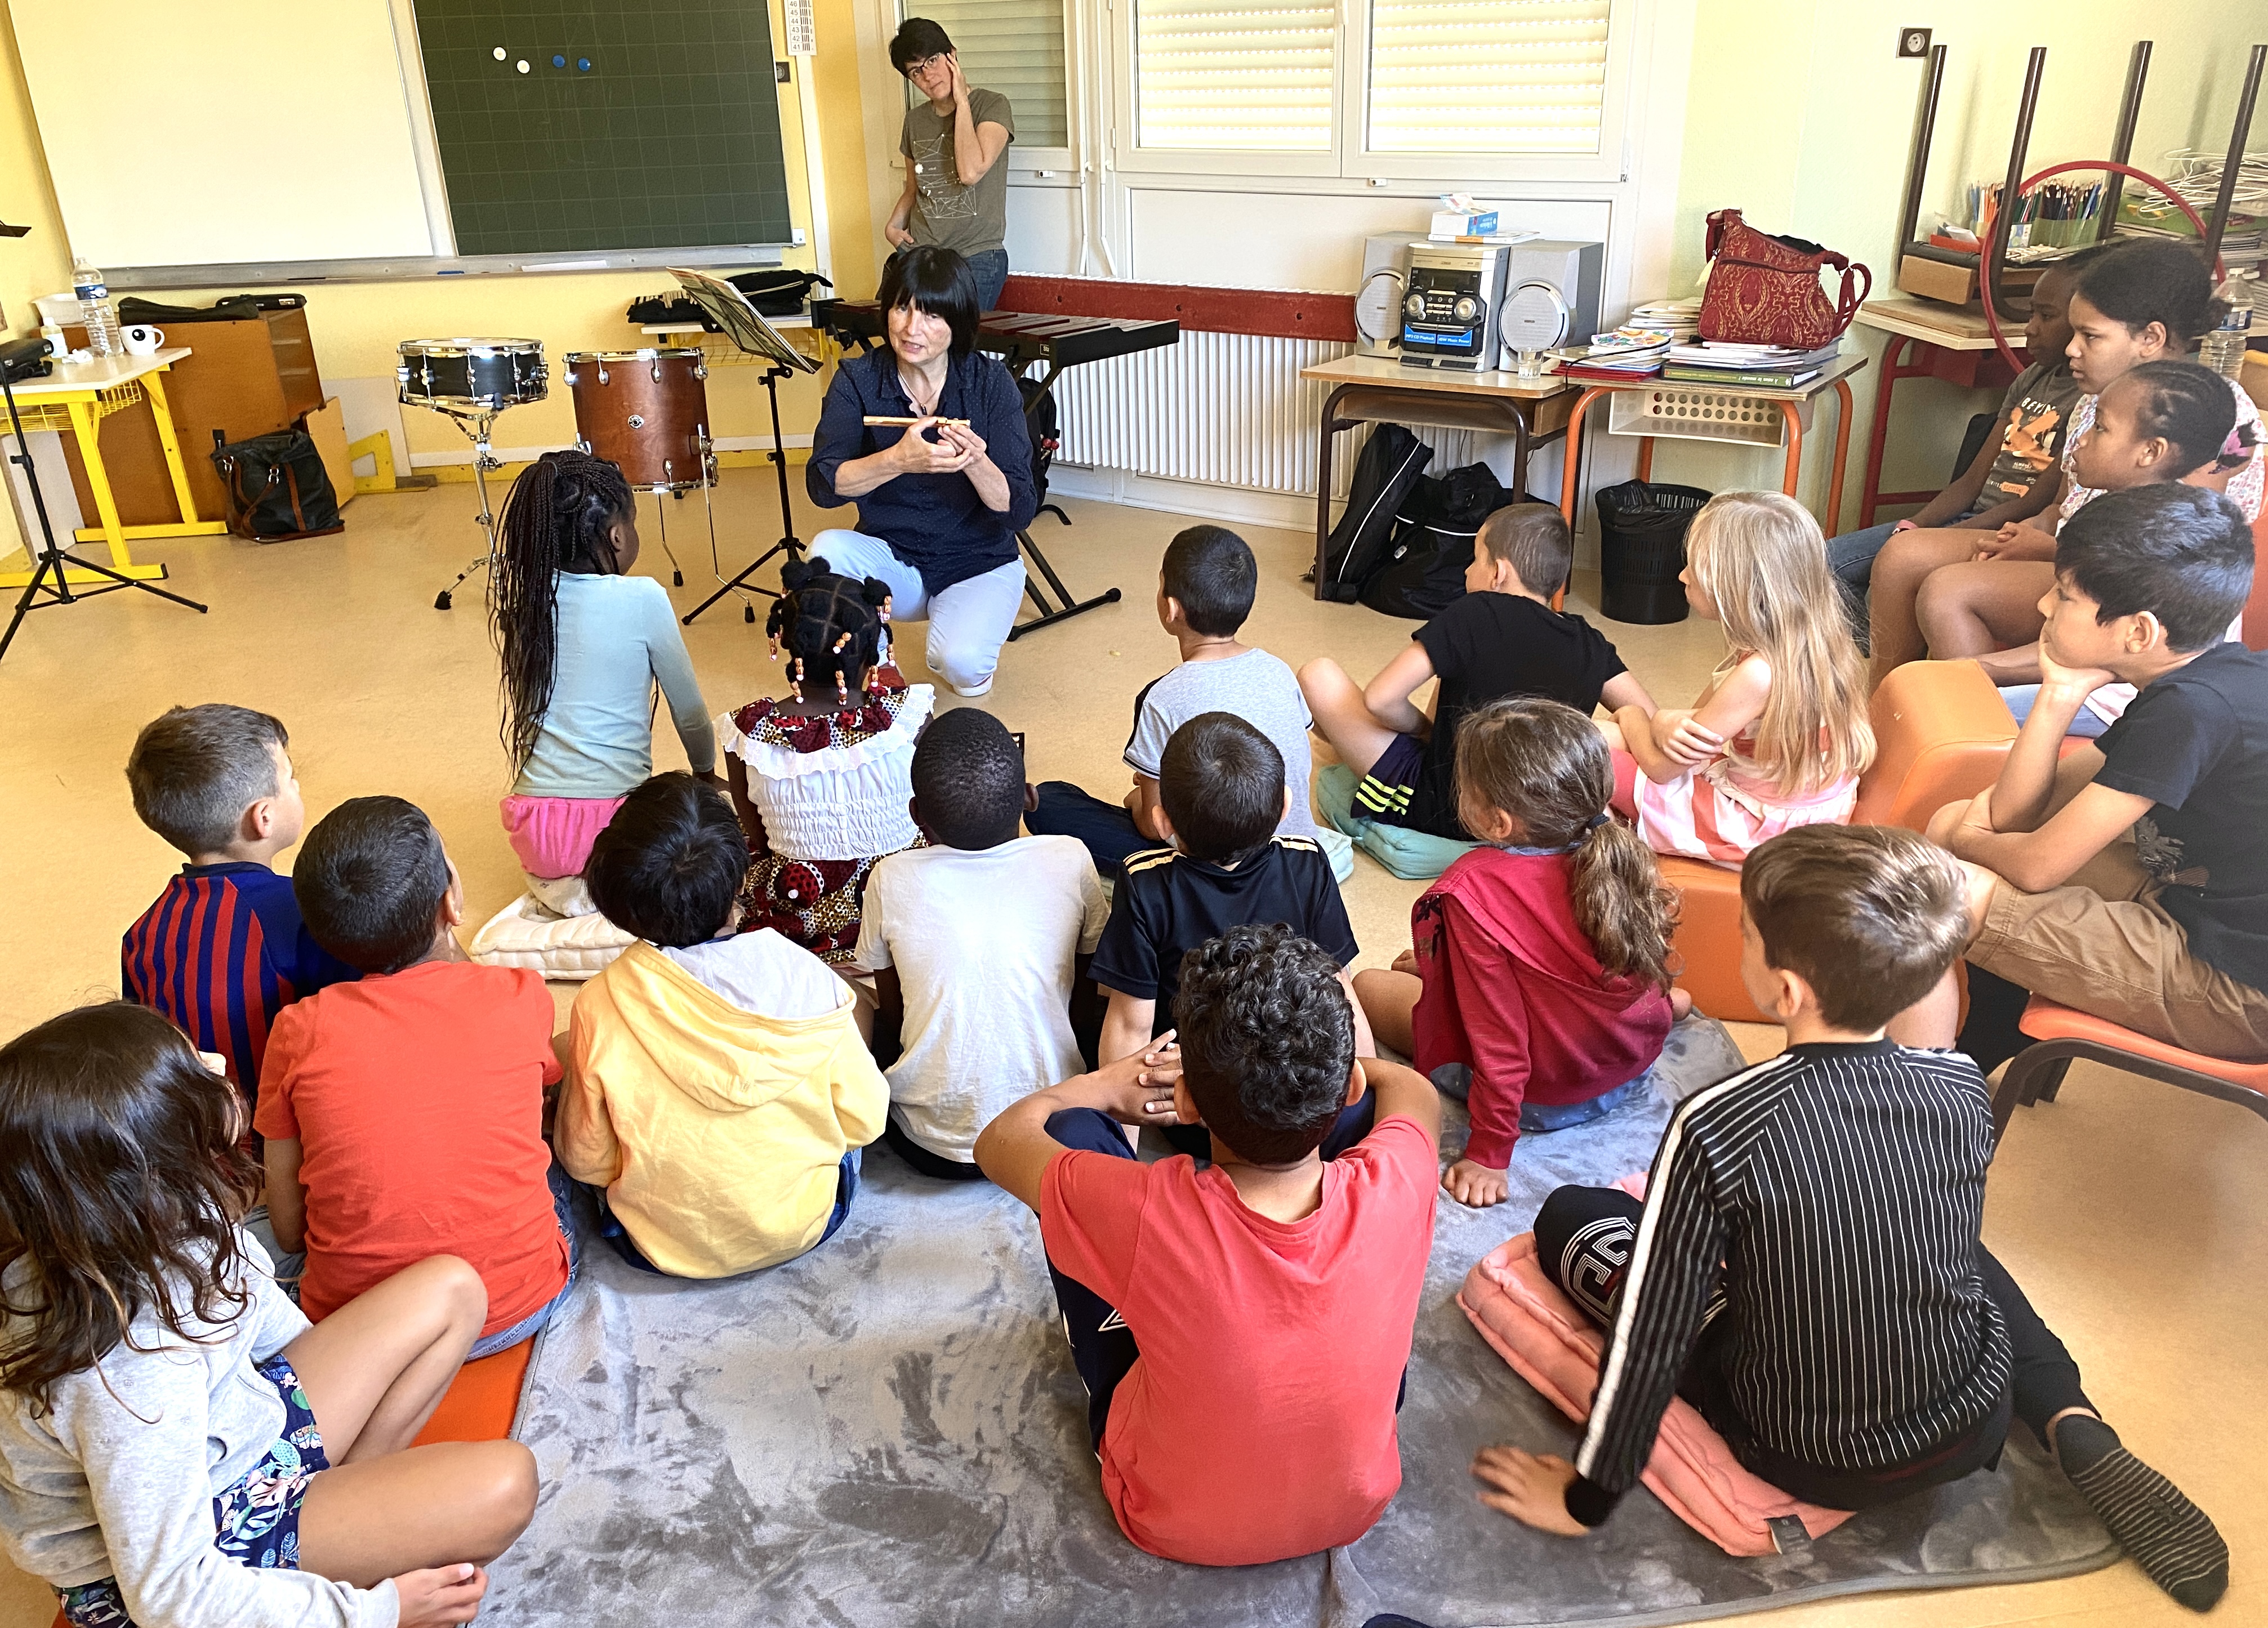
[968, 622]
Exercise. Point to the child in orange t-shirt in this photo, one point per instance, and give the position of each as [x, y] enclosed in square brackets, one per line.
[405, 1119]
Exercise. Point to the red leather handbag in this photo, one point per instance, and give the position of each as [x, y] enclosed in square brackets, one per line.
[1764, 291]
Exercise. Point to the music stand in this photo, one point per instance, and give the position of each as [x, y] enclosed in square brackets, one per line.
[27, 359]
[744, 325]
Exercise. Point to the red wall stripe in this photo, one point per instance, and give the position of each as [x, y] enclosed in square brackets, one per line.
[1268, 313]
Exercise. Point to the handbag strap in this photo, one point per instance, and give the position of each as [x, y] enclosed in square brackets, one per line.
[1721, 221]
[1846, 307]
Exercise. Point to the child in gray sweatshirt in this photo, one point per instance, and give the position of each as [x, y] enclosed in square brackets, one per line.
[167, 1416]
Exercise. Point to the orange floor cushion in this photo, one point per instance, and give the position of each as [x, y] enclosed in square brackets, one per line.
[483, 1400]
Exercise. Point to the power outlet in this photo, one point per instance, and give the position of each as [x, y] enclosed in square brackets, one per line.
[1913, 42]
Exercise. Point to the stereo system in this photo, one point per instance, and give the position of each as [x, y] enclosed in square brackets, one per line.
[1474, 307]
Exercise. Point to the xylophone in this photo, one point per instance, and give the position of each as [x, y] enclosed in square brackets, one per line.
[1037, 348]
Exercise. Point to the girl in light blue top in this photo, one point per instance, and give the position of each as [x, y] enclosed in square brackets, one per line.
[584, 642]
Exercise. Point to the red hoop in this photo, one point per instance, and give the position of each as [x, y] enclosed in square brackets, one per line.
[1989, 264]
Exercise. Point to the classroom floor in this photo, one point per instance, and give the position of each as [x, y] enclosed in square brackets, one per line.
[2131, 1212]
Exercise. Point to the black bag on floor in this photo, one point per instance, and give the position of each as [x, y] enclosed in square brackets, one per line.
[277, 489]
[1424, 568]
[1390, 465]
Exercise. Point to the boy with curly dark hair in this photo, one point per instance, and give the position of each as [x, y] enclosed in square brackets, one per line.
[1244, 1377]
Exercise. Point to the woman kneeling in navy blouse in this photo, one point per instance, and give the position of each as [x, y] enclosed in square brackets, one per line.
[940, 503]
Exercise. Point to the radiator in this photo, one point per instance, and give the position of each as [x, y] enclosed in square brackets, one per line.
[1229, 409]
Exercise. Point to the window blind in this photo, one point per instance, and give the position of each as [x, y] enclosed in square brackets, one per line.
[1486, 76]
[1252, 75]
[1015, 46]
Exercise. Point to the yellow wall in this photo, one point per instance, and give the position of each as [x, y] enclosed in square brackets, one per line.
[1801, 115]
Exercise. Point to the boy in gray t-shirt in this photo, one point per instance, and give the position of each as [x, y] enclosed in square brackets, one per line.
[1205, 589]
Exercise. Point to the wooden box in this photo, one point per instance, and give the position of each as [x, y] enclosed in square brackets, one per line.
[242, 379]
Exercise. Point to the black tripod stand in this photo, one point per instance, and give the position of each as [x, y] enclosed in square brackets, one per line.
[26, 360]
[789, 544]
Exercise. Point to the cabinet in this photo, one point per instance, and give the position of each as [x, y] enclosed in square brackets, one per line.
[242, 379]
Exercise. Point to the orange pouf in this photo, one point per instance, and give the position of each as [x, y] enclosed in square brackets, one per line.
[482, 1400]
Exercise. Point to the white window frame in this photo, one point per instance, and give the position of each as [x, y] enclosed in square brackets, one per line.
[1350, 158]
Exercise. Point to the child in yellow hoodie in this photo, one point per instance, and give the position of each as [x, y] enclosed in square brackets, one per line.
[718, 1090]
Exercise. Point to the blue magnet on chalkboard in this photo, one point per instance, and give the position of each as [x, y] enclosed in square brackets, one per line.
[582, 63]
[558, 62]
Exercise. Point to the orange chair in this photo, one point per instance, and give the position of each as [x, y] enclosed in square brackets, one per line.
[1941, 734]
[2035, 1072]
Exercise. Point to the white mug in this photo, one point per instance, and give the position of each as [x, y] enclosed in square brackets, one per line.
[143, 340]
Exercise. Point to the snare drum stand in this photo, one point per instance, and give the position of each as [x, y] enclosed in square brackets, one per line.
[484, 461]
[789, 543]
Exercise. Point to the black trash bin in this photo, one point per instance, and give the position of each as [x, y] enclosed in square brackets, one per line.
[1642, 548]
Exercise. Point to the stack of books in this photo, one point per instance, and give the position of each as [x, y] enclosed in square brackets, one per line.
[1769, 367]
[1626, 353]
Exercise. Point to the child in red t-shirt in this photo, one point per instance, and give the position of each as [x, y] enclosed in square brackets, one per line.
[1541, 958]
[404, 1117]
[1243, 1380]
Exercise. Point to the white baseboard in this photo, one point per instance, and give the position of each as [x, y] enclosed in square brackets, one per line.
[528, 455]
[1231, 505]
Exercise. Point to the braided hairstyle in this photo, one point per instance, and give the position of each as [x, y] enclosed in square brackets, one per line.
[2189, 406]
[829, 625]
[556, 519]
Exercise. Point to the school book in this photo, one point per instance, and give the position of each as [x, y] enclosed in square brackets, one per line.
[1754, 378]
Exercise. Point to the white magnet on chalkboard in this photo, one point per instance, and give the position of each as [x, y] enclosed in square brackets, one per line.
[499, 53]
[521, 64]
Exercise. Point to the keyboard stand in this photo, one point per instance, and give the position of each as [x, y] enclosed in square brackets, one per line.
[1050, 615]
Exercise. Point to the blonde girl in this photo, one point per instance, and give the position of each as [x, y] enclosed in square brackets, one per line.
[1541, 960]
[1781, 735]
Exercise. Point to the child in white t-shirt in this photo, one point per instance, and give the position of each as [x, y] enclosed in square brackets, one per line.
[977, 943]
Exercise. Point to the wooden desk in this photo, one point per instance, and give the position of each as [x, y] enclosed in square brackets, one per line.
[77, 397]
[1369, 389]
[1928, 340]
[1834, 376]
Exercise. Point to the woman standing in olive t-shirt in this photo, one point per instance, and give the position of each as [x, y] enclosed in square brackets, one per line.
[956, 193]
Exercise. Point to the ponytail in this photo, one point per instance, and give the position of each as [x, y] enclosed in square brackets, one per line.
[557, 518]
[1547, 767]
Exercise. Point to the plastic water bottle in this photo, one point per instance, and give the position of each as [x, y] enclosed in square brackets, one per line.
[2223, 349]
[102, 336]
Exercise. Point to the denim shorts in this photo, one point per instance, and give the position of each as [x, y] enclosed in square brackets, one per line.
[255, 1518]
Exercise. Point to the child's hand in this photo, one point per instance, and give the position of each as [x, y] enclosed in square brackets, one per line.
[1406, 961]
[1138, 1090]
[1681, 738]
[441, 1596]
[1476, 1186]
[1529, 1487]
[2060, 683]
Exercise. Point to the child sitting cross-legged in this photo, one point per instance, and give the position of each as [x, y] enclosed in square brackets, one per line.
[222, 950]
[1806, 1269]
[2129, 877]
[1241, 1325]
[720, 1091]
[1221, 791]
[1502, 639]
[978, 943]
[1781, 733]
[1541, 957]
[1206, 585]
[404, 1112]
[178, 1447]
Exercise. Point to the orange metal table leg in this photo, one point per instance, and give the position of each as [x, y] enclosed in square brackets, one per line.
[1833, 518]
[1793, 467]
[1645, 457]
[1571, 465]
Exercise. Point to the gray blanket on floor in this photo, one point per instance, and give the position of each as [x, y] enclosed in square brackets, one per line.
[888, 1431]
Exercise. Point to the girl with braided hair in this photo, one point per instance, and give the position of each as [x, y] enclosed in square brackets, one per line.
[823, 776]
[583, 644]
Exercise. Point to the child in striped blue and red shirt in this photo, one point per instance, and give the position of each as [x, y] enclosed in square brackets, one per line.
[222, 950]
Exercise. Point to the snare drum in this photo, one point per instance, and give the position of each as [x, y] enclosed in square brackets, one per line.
[471, 375]
[647, 410]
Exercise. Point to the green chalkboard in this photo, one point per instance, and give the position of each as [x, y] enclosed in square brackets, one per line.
[606, 124]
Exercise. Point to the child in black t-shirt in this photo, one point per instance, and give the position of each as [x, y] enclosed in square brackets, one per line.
[1220, 795]
[2129, 879]
[1502, 639]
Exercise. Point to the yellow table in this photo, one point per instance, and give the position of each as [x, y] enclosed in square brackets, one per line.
[77, 397]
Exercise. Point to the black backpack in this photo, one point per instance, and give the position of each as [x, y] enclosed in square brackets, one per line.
[778, 293]
[1424, 572]
[278, 487]
[1046, 427]
[1357, 549]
